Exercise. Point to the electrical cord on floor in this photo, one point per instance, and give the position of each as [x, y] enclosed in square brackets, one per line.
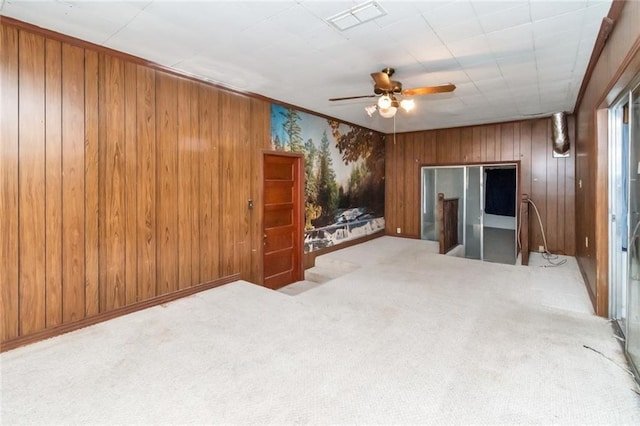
[628, 371]
[546, 254]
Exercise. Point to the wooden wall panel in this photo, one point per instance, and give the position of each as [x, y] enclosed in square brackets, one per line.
[507, 141]
[542, 176]
[234, 211]
[184, 185]
[260, 129]
[32, 182]
[194, 157]
[9, 153]
[146, 182]
[53, 179]
[243, 187]
[469, 146]
[617, 66]
[389, 190]
[133, 184]
[130, 178]
[167, 196]
[525, 157]
[91, 184]
[209, 191]
[113, 215]
[73, 291]
[538, 180]
[409, 167]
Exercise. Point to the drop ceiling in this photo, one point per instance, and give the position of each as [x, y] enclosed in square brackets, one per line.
[509, 59]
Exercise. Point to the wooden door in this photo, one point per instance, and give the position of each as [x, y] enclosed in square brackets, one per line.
[282, 220]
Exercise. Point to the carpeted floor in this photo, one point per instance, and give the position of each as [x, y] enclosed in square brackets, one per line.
[408, 337]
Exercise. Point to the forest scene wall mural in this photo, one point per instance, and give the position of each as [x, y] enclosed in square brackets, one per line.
[344, 175]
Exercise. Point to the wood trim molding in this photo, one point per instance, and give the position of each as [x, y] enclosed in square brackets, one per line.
[601, 237]
[86, 322]
[153, 65]
[606, 28]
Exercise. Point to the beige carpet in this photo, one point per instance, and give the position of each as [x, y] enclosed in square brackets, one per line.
[409, 337]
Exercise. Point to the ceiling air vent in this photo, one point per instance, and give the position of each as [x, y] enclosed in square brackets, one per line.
[357, 15]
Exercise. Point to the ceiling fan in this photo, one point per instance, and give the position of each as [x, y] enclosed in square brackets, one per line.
[389, 90]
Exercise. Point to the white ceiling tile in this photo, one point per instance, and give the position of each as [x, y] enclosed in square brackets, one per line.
[597, 10]
[256, 46]
[459, 31]
[466, 89]
[492, 86]
[571, 21]
[478, 100]
[488, 7]
[397, 11]
[545, 9]
[484, 71]
[449, 13]
[547, 40]
[505, 18]
[68, 18]
[324, 9]
[471, 50]
[512, 40]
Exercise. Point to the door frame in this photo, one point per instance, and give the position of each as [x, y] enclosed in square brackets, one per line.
[298, 210]
[465, 166]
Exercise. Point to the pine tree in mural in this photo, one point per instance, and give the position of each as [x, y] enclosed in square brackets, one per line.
[359, 143]
[277, 144]
[311, 209]
[326, 181]
[292, 129]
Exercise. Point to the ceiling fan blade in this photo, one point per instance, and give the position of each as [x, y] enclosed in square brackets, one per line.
[352, 97]
[429, 90]
[382, 80]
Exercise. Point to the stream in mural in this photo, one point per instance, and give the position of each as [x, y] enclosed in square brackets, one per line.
[344, 175]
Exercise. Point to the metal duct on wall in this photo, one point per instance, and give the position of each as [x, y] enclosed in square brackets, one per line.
[560, 134]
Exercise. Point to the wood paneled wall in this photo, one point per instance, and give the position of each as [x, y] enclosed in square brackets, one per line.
[616, 67]
[119, 182]
[549, 181]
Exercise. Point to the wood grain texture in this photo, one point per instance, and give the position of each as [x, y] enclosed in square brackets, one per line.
[146, 182]
[32, 183]
[260, 137]
[53, 179]
[551, 227]
[616, 67]
[91, 184]
[113, 215]
[184, 183]
[194, 158]
[73, 226]
[493, 142]
[209, 191]
[98, 154]
[130, 182]
[228, 193]
[167, 195]
[538, 179]
[9, 194]
[243, 145]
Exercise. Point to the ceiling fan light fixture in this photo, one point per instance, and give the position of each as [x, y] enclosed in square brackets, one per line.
[388, 112]
[371, 109]
[407, 104]
[384, 102]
